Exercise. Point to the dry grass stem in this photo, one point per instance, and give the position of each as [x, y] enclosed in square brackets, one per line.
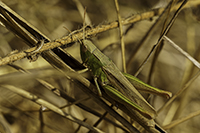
[56, 93]
[194, 61]
[46, 104]
[161, 37]
[121, 35]
[79, 36]
[179, 121]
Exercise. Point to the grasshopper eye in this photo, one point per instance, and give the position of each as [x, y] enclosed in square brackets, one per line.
[104, 83]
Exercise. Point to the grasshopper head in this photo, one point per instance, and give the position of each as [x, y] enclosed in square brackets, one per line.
[89, 46]
[85, 50]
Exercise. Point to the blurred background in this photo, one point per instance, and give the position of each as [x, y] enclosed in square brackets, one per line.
[171, 72]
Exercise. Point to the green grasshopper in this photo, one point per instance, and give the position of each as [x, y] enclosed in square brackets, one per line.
[119, 86]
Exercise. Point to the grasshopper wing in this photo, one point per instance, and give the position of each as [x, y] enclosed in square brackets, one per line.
[127, 89]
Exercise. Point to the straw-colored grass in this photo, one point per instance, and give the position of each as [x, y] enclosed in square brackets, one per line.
[33, 94]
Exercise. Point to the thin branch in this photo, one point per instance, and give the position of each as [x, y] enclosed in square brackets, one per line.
[91, 32]
[141, 43]
[162, 35]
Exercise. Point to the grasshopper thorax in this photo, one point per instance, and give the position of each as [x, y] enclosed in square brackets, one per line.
[89, 59]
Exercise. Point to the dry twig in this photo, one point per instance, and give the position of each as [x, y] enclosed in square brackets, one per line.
[91, 32]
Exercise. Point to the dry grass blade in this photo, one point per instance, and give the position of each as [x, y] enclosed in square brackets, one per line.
[82, 12]
[84, 84]
[151, 29]
[179, 92]
[32, 36]
[68, 93]
[79, 36]
[121, 35]
[48, 105]
[195, 62]
[162, 35]
[4, 126]
[68, 98]
[161, 44]
[181, 120]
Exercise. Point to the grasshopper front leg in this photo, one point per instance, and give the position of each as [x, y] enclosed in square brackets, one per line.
[97, 85]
